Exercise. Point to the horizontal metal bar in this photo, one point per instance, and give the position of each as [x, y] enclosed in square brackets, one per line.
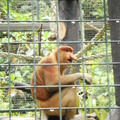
[110, 63]
[49, 21]
[90, 20]
[56, 108]
[63, 42]
[62, 86]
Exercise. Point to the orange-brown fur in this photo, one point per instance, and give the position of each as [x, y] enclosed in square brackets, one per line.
[49, 75]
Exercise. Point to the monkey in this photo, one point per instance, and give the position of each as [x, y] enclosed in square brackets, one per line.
[48, 75]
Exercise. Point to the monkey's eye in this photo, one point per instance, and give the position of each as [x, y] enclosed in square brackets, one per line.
[67, 51]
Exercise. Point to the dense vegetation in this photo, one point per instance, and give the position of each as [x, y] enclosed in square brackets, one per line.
[22, 10]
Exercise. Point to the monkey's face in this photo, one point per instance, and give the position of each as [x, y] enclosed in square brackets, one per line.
[66, 54]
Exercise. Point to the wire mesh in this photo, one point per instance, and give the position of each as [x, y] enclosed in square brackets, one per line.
[20, 35]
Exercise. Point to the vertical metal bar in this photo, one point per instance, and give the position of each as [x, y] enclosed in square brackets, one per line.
[39, 32]
[60, 111]
[107, 64]
[8, 19]
[34, 58]
[81, 24]
[37, 9]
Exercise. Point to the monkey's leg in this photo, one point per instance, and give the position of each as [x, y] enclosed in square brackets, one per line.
[68, 99]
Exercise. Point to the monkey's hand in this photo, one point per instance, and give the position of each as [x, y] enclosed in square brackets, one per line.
[88, 78]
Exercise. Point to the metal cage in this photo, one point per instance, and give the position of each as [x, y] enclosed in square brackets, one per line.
[24, 29]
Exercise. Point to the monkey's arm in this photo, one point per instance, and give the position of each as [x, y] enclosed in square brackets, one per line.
[65, 80]
[71, 78]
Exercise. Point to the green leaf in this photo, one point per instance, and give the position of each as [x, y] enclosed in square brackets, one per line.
[12, 77]
[25, 73]
[97, 113]
[103, 114]
[29, 76]
[18, 74]
[2, 74]
[1, 60]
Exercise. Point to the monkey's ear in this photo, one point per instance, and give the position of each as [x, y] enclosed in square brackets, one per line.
[66, 48]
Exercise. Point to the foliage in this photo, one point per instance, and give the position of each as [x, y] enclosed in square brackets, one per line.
[22, 11]
[98, 96]
[93, 9]
[4, 101]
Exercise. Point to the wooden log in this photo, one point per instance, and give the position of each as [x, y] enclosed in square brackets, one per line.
[23, 26]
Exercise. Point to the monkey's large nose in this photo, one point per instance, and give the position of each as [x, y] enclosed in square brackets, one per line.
[73, 56]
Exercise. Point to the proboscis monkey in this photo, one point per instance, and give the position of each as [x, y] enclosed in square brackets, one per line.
[48, 75]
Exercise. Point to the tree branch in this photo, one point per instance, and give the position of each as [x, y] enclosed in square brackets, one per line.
[23, 86]
[90, 45]
[92, 57]
[20, 56]
[94, 28]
